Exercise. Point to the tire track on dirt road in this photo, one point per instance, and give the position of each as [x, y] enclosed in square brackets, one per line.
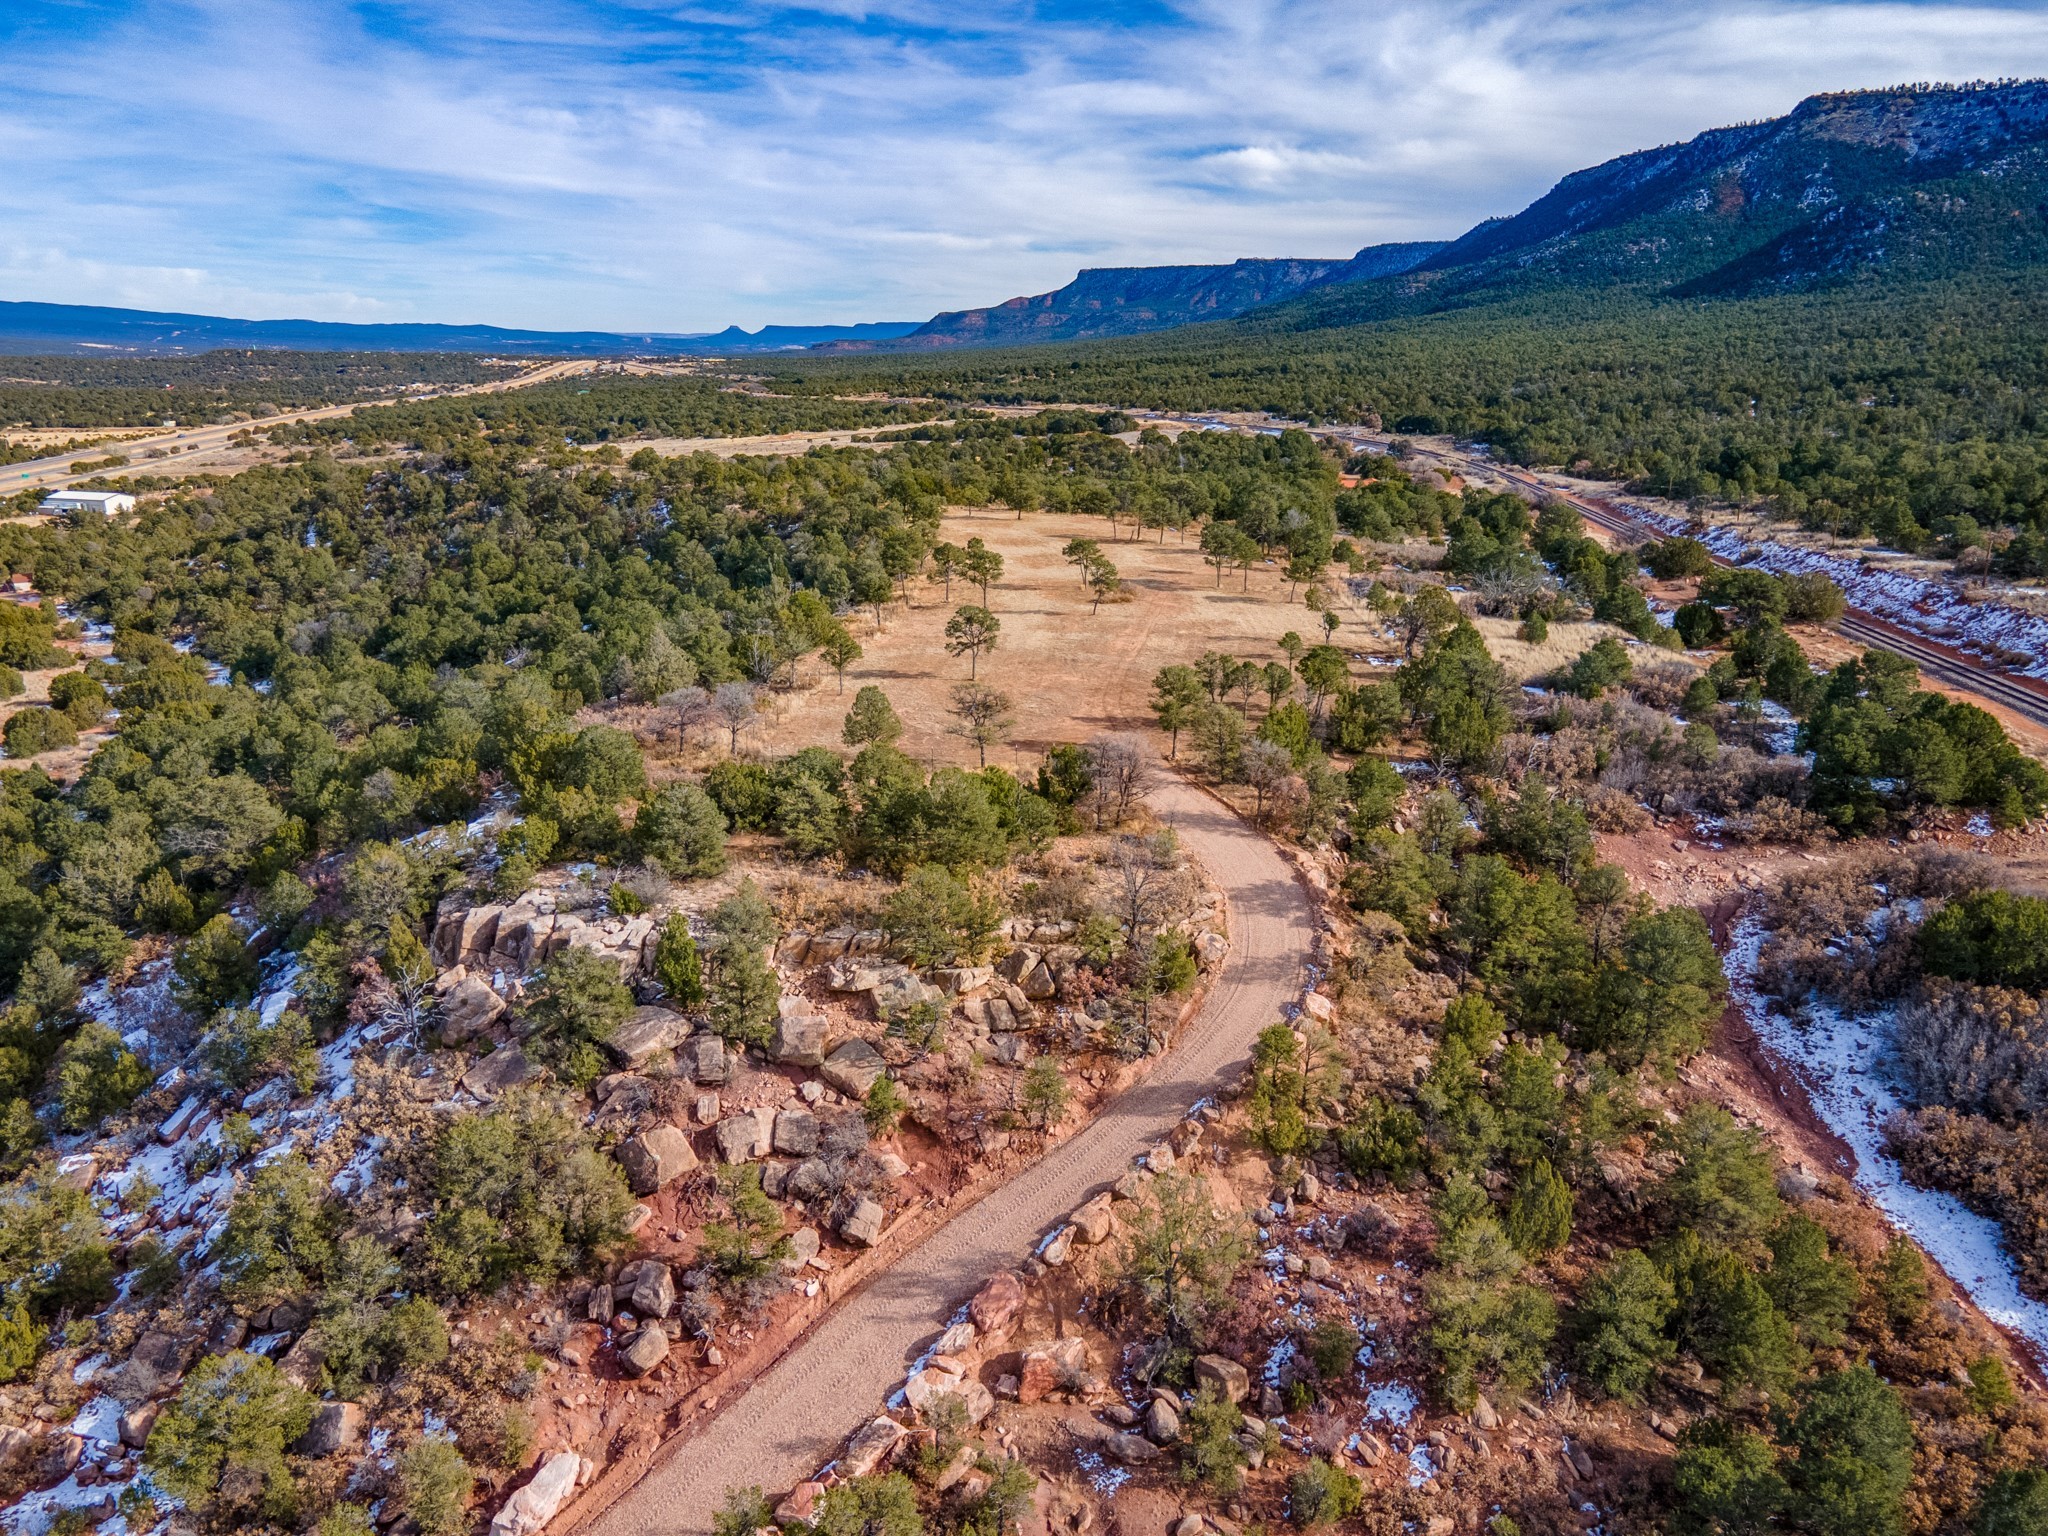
[797, 1413]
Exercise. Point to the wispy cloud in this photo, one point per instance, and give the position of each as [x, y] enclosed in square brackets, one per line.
[679, 164]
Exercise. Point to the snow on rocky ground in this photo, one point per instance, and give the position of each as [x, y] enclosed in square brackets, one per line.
[1925, 607]
[1843, 1062]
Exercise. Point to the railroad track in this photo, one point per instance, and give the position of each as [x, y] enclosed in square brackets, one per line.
[2023, 695]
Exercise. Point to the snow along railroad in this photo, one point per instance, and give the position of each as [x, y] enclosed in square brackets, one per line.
[1991, 630]
[1842, 1062]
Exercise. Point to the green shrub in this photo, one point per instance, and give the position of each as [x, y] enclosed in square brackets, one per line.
[1210, 1453]
[1484, 1323]
[578, 1005]
[871, 722]
[744, 997]
[1992, 938]
[1601, 666]
[1727, 1319]
[1853, 1455]
[934, 919]
[1726, 1482]
[82, 698]
[681, 831]
[1815, 1292]
[219, 1445]
[279, 1236]
[1619, 1324]
[1320, 1495]
[744, 792]
[1333, 1348]
[21, 1343]
[35, 729]
[97, 1076]
[437, 1483]
[1724, 1187]
[519, 1192]
[2015, 1504]
[241, 1050]
[884, 1106]
[216, 968]
[677, 964]
[1540, 1213]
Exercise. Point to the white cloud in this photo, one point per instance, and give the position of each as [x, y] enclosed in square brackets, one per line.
[649, 166]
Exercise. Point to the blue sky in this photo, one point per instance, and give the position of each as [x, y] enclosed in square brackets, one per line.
[627, 164]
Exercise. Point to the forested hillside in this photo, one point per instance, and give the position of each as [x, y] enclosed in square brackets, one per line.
[134, 392]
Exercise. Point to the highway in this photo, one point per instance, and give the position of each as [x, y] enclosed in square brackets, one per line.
[181, 444]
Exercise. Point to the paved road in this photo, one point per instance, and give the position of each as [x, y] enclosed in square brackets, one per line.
[54, 472]
[795, 1416]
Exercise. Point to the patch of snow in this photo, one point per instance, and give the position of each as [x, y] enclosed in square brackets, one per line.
[1103, 1479]
[1277, 1362]
[88, 1368]
[1927, 608]
[1421, 1466]
[99, 1420]
[1843, 1063]
[33, 1514]
[1391, 1402]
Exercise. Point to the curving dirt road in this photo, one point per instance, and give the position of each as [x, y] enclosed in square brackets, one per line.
[796, 1415]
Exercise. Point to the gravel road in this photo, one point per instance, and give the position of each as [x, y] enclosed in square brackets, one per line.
[796, 1415]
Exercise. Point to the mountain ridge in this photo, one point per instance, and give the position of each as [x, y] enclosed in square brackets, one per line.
[29, 327]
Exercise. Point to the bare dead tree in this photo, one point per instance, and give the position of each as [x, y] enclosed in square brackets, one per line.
[1266, 767]
[983, 714]
[692, 708]
[1147, 880]
[734, 704]
[1119, 769]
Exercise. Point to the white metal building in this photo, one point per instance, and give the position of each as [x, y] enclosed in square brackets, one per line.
[106, 503]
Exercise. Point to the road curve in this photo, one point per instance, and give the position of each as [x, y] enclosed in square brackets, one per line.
[794, 1417]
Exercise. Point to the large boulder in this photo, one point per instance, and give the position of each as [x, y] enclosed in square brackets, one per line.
[796, 1133]
[1231, 1380]
[863, 1224]
[656, 1158]
[901, 991]
[956, 980]
[703, 1058]
[804, 1243]
[498, 1072]
[529, 1510]
[136, 1424]
[1055, 1366]
[1026, 969]
[799, 1039]
[745, 1136]
[997, 1303]
[871, 1447]
[644, 1350]
[862, 975]
[1093, 1222]
[466, 938]
[646, 1033]
[335, 1427]
[647, 1287]
[853, 1068]
[470, 1009]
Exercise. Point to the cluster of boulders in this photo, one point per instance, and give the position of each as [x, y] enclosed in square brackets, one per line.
[512, 938]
